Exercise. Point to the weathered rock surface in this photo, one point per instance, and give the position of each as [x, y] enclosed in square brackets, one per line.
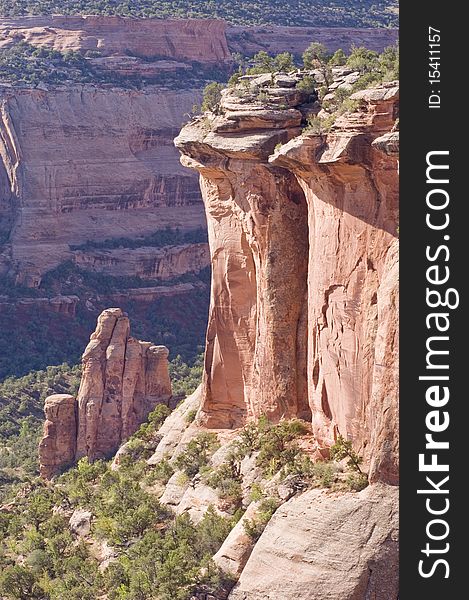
[123, 380]
[319, 545]
[257, 221]
[80, 522]
[304, 262]
[146, 262]
[58, 445]
[351, 187]
[237, 547]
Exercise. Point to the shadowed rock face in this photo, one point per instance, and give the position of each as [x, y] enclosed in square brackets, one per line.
[304, 253]
[123, 380]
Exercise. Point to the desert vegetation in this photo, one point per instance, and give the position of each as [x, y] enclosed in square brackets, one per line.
[326, 13]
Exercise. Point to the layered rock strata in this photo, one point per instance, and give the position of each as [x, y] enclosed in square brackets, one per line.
[303, 238]
[84, 163]
[123, 380]
[201, 40]
[276, 39]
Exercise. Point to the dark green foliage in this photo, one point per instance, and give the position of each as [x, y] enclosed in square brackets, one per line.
[255, 527]
[155, 419]
[32, 339]
[22, 399]
[186, 378]
[324, 13]
[159, 239]
[339, 58]
[197, 453]
[227, 481]
[307, 84]
[23, 63]
[21, 417]
[212, 97]
[157, 555]
[315, 56]
[343, 449]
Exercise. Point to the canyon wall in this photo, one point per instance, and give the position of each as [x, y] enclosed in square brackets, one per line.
[201, 40]
[83, 162]
[123, 380]
[91, 164]
[303, 237]
[275, 39]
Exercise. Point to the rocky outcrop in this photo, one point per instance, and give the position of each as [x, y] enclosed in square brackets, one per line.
[351, 187]
[257, 221]
[58, 445]
[303, 241]
[123, 380]
[319, 546]
[95, 161]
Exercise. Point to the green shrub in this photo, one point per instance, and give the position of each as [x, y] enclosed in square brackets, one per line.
[319, 125]
[191, 415]
[197, 453]
[338, 59]
[161, 472]
[212, 97]
[307, 84]
[255, 527]
[227, 481]
[302, 13]
[343, 449]
[357, 481]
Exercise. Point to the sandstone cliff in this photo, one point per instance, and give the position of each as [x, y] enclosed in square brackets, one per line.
[95, 161]
[201, 40]
[58, 444]
[304, 257]
[123, 380]
[101, 164]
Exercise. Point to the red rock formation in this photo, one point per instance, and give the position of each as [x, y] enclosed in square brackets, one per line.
[146, 262]
[341, 191]
[123, 380]
[200, 40]
[58, 445]
[352, 192]
[255, 360]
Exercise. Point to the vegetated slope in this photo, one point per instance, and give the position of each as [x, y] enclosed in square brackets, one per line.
[326, 13]
[21, 417]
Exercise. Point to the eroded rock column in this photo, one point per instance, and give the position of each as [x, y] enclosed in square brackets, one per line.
[255, 360]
